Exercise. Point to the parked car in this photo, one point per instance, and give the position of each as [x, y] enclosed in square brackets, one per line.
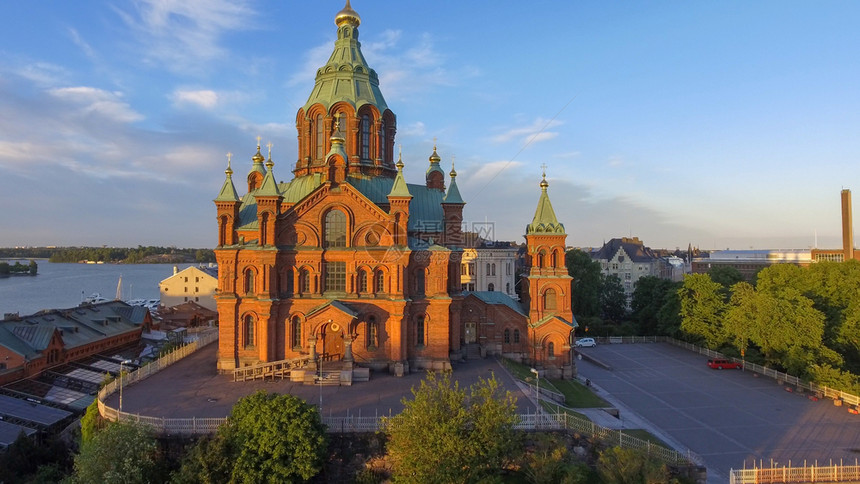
[720, 363]
[589, 342]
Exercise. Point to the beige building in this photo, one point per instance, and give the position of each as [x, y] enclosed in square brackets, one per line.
[489, 268]
[629, 259]
[195, 284]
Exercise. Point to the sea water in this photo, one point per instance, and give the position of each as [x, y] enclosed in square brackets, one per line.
[62, 286]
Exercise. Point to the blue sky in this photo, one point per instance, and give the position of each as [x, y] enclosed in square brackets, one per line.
[722, 124]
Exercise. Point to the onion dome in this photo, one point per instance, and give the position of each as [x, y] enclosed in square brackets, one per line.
[347, 16]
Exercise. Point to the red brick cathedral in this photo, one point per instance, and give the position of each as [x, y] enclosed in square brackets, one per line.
[348, 261]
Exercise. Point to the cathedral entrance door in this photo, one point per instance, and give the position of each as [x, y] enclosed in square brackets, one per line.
[333, 339]
[471, 330]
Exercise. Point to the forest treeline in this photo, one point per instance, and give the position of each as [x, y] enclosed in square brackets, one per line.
[139, 255]
[804, 321]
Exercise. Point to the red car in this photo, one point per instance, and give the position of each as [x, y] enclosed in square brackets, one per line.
[720, 363]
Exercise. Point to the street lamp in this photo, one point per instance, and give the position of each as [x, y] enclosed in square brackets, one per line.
[537, 389]
[123, 362]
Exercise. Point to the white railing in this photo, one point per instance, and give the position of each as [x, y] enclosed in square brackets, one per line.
[776, 375]
[785, 475]
[144, 372]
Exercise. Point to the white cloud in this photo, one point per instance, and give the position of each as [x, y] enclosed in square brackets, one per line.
[490, 170]
[315, 58]
[414, 129]
[80, 42]
[99, 102]
[532, 133]
[183, 35]
[206, 98]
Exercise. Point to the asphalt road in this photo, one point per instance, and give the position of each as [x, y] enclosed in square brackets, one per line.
[729, 417]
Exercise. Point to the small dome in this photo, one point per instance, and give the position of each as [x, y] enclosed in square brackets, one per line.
[347, 16]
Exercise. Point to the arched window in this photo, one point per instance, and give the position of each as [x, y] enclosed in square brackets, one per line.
[379, 280]
[248, 331]
[507, 336]
[361, 282]
[304, 281]
[494, 269]
[365, 137]
[491, 287]
[419, 331]
[383, 143]
[540, 259]
[249, 281]
[488, 269]
[372, 332]
[550, 349]
[288, 282]
[516, 336]
[296, 333]
[419, 282]
[507, 287]
[335, 229]
[320, 136]
[549, 299]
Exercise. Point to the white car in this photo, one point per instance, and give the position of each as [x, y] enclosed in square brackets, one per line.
[589, 342]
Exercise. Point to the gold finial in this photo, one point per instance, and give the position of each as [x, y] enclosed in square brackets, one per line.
[258, 141]
[347, 16]
[434, 158]
[229, 171]
[269, 162]
[543, 182]
[269, 145]
[453, 171]
[400, 158]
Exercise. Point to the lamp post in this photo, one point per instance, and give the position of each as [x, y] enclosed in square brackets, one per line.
[537, 389]
[123, 362]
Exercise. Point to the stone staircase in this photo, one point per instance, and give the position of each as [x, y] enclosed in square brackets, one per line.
[473, 351]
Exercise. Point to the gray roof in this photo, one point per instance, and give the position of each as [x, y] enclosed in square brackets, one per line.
[29, 335]
[636, 251]
[497, 297]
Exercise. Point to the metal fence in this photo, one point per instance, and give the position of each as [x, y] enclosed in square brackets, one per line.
[145, 372]
[785, 475]
[814, 388]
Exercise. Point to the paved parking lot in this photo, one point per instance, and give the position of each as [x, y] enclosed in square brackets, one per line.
[192, 388]
[729, 417]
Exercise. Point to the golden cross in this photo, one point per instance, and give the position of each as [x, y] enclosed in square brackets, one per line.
[258, 140]
[229, 157]
[543, 167]
[269, 145]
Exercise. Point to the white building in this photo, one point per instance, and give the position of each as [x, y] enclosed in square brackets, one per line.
[489, 268]
[629, 259]
[196, 284]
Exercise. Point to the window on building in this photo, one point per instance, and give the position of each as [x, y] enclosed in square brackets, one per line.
[305, 281]
[550, 350]
[288, 282]
[549, 299]
[494, 269]
[249, 281]
[372, 332]
[335, 276]
[507, 287]
[196, 298]
[516, 336]
[463, 269]
[361, 281]
[196, 279]
[365, 137]
[508, 268]
[491, 287]
[320, 136]
[627, 275]
[473, 268]
[419, 331]
[379, 282]
[248, 331]
[488, 269]
[419, 282]
[541, 256]
[296, 332]
[614, 266]
[553, 260]
[335, 229]
[507, 336]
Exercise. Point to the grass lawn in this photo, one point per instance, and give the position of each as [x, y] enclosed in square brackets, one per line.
[578, 395]
[524, 373]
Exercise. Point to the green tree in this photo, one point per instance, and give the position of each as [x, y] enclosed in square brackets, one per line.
[446, 434]
[669, 315]
[585, 287]
[649, 297]
[725, 276]
[613, 299]
[267, 438]
[618, 465]
[91, 422]
[120, 453]
[25, 460]
[34, 268]
[702, 308]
